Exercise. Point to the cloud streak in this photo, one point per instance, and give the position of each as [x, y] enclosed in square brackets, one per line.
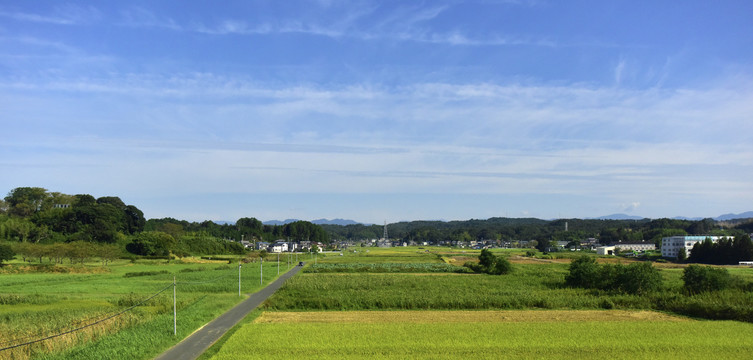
[61, 15]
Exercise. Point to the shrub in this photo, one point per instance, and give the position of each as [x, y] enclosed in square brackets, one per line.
[584, 273]
[490, 264]
[501, 267]
[637, 278]
[6, 253]
[700, 279]
[145, 273]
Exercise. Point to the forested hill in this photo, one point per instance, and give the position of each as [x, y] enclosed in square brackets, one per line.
[35, 215]
[510, 229]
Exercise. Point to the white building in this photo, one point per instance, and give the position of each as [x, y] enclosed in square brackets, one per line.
[605, 250]
[278, 247]
[670, 246]
[635, 246]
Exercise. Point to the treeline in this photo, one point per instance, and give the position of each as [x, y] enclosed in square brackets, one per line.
[543, 231]
[31, 218]
[726, 251]
[250, 229]
[74, 252]
[32, 214]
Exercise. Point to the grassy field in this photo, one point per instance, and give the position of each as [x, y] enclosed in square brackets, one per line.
[531, 305]
[530, 286]
[486, 335]
[382, 255]
[40, 301]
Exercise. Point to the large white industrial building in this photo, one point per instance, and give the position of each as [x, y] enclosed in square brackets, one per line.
[670, 246]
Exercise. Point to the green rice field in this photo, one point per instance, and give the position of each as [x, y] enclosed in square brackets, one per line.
[417, 335]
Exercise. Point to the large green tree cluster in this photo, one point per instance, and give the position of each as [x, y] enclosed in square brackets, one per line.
[543, 231]
[36, 215]
[698, 279]
[636, 278]
[245, 228]
[726, 251]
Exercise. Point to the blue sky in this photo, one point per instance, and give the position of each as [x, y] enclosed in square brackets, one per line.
[382, 110]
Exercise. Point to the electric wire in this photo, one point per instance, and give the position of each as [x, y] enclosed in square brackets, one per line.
[87, 325]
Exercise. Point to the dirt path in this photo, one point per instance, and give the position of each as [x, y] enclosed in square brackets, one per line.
[195, 344]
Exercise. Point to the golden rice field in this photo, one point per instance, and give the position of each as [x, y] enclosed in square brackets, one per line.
[524, 334]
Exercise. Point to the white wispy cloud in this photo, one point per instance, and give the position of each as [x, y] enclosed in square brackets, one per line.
[68, 14]
[142, 17]
[359, 22]
[425, 138]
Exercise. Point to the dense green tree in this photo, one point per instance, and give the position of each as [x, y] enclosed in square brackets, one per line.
[584, 272]
[112, 200]
[698, 279]
[682, 254]
[6, 253]
[24, 201]
[543, 244]
[134, 219]
[490, 264]
[501, 267]
[638, 278]
[743, 248]
[486, 259]
[152, 243]
[725, 251]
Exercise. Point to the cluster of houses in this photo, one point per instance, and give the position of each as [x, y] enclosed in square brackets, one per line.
[670, 246]
[282, 246]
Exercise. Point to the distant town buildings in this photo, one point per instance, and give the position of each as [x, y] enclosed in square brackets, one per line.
[639, 247]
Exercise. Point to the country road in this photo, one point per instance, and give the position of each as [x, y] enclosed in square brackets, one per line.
[195, 344]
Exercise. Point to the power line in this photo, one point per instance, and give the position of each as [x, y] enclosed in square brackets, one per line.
[107, 316]
[88, 325]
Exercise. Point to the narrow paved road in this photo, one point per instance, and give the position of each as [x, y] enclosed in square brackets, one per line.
[193, 346]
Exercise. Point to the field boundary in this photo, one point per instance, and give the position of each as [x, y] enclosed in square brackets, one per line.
[462, 316]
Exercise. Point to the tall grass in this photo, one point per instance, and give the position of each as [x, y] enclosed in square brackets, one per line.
[531, 286]
[37, 305]
[386, 268]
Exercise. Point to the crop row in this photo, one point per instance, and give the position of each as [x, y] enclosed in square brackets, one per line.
[495, 340]
[531, 286]
[386, 268]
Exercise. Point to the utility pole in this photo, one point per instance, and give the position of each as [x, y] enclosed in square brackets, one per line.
[261, 271]
[239, 279]
[175, 311]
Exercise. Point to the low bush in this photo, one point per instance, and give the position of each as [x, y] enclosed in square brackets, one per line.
[636, 278]
[698, 279]
[145, 273]
[490, 264]
[385, 268]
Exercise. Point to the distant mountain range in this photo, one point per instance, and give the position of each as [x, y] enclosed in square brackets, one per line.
[618, 217]
[725, 217]
[745, 215]
[344, 222]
